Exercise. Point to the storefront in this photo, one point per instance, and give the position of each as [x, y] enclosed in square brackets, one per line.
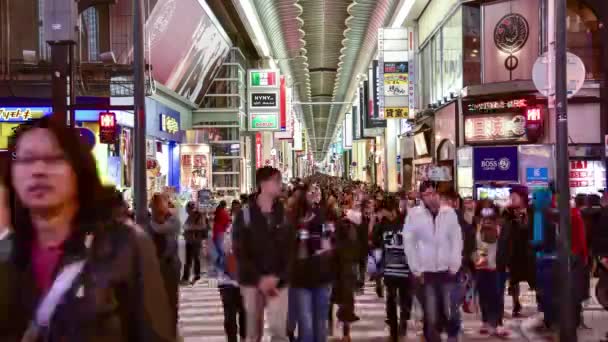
[503, 134]
[163, 139]
[114, 161]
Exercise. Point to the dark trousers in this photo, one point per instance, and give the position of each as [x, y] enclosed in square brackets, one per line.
[233, 312]
[193, 258]
[399, 292]
[545, 274]
[490, 287]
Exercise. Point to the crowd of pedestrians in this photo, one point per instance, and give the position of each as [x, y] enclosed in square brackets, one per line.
[289, 257]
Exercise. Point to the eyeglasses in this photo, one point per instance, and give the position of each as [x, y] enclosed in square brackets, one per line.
[49, 160]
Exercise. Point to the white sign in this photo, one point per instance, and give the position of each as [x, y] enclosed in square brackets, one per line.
[297, 135]
[575, 70]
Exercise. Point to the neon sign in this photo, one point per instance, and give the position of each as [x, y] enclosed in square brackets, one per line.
[533, 114]
[22, 114]
[491, 106]
[168, 124]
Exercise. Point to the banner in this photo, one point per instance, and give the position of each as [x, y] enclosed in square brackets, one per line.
[297, 135]
[393, 59]
[258, 151]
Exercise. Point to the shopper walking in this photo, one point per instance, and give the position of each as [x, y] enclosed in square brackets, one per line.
[164, 229]
[388, 236]
[264, 242]
[195, 231]
[433, 245]
[312, 272]
[490, 257]
[221, 221]
[71, 248]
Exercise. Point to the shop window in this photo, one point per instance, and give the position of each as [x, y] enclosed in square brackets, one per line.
[226, 181]
[584, 37]
[452, 55]
[218, 134]
[226, 150]
[226, 165]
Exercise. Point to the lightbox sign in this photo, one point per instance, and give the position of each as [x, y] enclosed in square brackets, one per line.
[263, 122]
[107, 127]
[264, 100]
[499, 106]
[263, 78]
[16, 114]
[495, 163]
[495, 128]
[168, 124]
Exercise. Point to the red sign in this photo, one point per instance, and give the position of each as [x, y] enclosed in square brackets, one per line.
[258, 151]
[283, 104]
[107, 127]
[533, 114]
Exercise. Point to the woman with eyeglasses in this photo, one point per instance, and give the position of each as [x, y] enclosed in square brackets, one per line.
[80, 271]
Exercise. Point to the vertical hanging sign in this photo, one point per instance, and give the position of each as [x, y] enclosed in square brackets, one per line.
[258, 151]
[393, 73]
[265, 100]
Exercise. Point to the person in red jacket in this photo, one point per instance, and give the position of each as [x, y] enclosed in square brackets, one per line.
[221, 223]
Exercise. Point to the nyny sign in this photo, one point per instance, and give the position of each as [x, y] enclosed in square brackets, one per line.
[264, 100]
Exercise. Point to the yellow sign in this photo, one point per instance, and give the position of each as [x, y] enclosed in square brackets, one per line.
[169, 124]
[19, 114]
[395, 79]
[396, 112]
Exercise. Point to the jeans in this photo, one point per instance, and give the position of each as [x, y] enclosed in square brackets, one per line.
[255, 303]
[218, 243]
[312, 307]
[436, 298]
[490, 287]
[399, 292]
[234, 312]
[292, 312]
[193, 258]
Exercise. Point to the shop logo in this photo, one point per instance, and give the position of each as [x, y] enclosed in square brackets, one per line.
[511, 33]
[168, 124]
[504, 164]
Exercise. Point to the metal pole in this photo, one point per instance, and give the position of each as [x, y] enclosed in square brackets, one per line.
[139, 100]
[567, 328]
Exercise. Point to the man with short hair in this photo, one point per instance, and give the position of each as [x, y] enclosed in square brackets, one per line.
[433, 245]
[263, 245]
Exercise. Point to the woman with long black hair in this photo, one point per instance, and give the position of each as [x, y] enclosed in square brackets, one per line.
[312, 272]
[80, 272]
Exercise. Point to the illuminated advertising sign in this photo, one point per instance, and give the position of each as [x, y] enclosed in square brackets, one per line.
[499, 106]
[107, 127]
[258, 151]
[495, 128]
[168, 124]
[15, 114]
[263, 78]
[263, 122]
[264, 100]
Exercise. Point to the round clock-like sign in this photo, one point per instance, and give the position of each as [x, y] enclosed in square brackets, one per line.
[511, 33]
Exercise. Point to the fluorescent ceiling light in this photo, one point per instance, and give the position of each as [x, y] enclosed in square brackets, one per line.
[404, 10]
[256, 26]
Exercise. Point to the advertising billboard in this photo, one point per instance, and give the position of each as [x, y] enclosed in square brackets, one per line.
[187, 46]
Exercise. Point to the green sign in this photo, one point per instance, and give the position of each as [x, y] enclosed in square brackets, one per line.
[264, 78]
[263, 122]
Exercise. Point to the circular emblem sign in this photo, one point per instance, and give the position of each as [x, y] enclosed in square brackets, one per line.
[504, 164]
[511, 33]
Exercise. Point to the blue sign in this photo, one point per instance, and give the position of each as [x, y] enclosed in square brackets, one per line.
[495, 163]
[162, 121]
[537, 175]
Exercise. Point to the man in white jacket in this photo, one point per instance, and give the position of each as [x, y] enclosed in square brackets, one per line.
[433, 245]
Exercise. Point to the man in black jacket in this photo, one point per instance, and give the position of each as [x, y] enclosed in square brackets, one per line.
[263, 245]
